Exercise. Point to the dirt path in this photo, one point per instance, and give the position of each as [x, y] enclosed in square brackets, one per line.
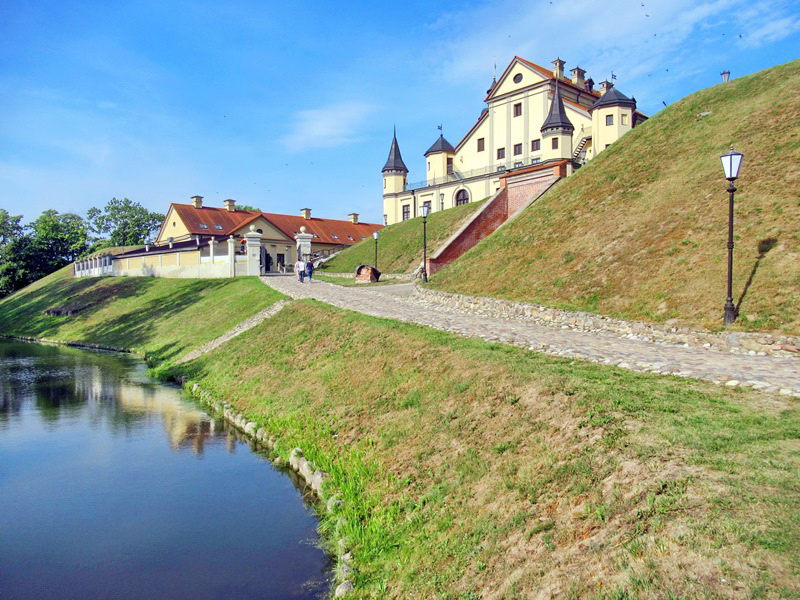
[767, 373]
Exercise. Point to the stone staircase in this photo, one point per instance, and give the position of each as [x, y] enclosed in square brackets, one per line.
[519, 190]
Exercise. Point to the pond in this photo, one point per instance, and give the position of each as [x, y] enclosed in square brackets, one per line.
[114, 486]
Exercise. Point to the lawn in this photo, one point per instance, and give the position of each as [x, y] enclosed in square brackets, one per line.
[471, 469]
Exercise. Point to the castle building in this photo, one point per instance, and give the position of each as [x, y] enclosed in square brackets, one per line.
[534, 117]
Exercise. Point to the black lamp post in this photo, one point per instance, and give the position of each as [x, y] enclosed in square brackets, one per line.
[731, 162]
[425, 209]
[375, 236]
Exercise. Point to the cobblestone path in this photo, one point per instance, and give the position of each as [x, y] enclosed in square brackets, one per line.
[767, 373]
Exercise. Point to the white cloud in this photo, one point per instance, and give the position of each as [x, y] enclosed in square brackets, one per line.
[329, 126]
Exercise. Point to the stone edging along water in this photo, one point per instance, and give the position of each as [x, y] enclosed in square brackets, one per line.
[313, 477]
[737, 342]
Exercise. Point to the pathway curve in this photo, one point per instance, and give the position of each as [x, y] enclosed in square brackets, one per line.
[767, 373]
[248, 323]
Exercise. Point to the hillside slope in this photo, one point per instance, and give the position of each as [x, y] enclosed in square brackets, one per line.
[163, 318]
[400, 245]
[640, 232]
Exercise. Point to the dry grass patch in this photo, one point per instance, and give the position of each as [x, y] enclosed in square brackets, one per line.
[472, 469]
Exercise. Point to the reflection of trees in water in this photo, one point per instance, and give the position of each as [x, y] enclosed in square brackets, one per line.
[65, 382]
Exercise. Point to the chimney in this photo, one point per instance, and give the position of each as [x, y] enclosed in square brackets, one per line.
[605, 86]
[230, 205]
[558, 68]
[197, 201]
[726, 75]
[578, 76]
[353, 218]
[590, 85]
[305, 213]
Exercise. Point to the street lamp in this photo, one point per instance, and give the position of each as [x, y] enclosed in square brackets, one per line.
[375, 237]
[425, 209]
[731, 162]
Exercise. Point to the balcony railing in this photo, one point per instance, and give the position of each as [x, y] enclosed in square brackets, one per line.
[510, 165]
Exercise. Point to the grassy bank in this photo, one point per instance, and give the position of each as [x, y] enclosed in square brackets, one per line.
[400, 245]
[640, 232]
[472, 469]
[163, 318]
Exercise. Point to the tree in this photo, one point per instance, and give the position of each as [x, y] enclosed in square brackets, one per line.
[247, 207]
[52, 241]
[10, 228]
[124, 222]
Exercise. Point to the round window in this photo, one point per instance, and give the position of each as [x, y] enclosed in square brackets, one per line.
[517, 77]
[260, 230]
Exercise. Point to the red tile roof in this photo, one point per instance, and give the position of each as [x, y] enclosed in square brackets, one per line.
[328, 231]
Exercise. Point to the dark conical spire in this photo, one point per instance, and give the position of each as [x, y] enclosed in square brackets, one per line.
[395, 160]
[441, 145]
[557, 117]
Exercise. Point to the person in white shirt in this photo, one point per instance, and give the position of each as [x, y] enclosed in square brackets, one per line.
[300, 269]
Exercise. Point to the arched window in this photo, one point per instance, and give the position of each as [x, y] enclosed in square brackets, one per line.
[462, 197]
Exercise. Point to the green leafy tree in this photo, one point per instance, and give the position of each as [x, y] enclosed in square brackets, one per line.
[52, 241]
[124, 222]
[10, 227]
[248, 207]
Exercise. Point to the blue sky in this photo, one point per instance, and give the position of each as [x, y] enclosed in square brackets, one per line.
[291, 105]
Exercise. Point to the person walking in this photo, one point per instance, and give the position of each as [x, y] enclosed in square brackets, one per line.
[300, 268]
[309, 270]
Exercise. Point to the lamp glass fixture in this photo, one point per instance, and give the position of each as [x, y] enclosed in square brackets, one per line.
[425, 209]
[375, 234]
[731, 163]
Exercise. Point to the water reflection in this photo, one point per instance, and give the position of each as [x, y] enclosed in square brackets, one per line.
[101, 481]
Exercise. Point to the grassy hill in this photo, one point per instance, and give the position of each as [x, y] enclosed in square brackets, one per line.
[163, 318]
[640, 232]
[400, 245]
[486, 471]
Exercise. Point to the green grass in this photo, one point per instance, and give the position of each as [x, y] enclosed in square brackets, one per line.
[160, 318]
[640, 232]
[471, 469]
[400, 245]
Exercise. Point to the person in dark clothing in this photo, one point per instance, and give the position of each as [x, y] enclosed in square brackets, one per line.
[309, 270]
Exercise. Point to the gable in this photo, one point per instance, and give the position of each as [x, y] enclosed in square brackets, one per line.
[172, 226]
[268, 230]
[521, 70]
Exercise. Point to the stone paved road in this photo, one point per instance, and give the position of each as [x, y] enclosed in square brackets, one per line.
[767, 373]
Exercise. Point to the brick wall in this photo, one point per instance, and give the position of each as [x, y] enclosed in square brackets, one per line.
[519, 190]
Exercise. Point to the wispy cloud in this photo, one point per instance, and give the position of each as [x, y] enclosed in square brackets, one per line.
[330, 126]
[653, 43]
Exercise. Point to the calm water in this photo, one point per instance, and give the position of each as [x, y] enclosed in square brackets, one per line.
[112, 486]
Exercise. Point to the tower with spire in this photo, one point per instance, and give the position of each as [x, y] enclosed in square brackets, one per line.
[439, 160]
[557, 130]
[395, 170]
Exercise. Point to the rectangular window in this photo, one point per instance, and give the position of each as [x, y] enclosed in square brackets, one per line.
[406, 212]
[449, 166]
[441, 201]
[428, 204]
[536, 145]
[517, 149]
[555, 143]
[624, 119]
[518, 109]
[501, 153]
[609, 119]
[429, 165]
[481, 144]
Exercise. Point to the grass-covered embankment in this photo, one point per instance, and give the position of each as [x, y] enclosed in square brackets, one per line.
[471, 469]
[162, 318]
[400, 245]
[640, 232]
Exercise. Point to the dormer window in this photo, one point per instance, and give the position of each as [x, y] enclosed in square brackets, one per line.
[218, 226]
[334, 236]
[203, 226]
[350, 237]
